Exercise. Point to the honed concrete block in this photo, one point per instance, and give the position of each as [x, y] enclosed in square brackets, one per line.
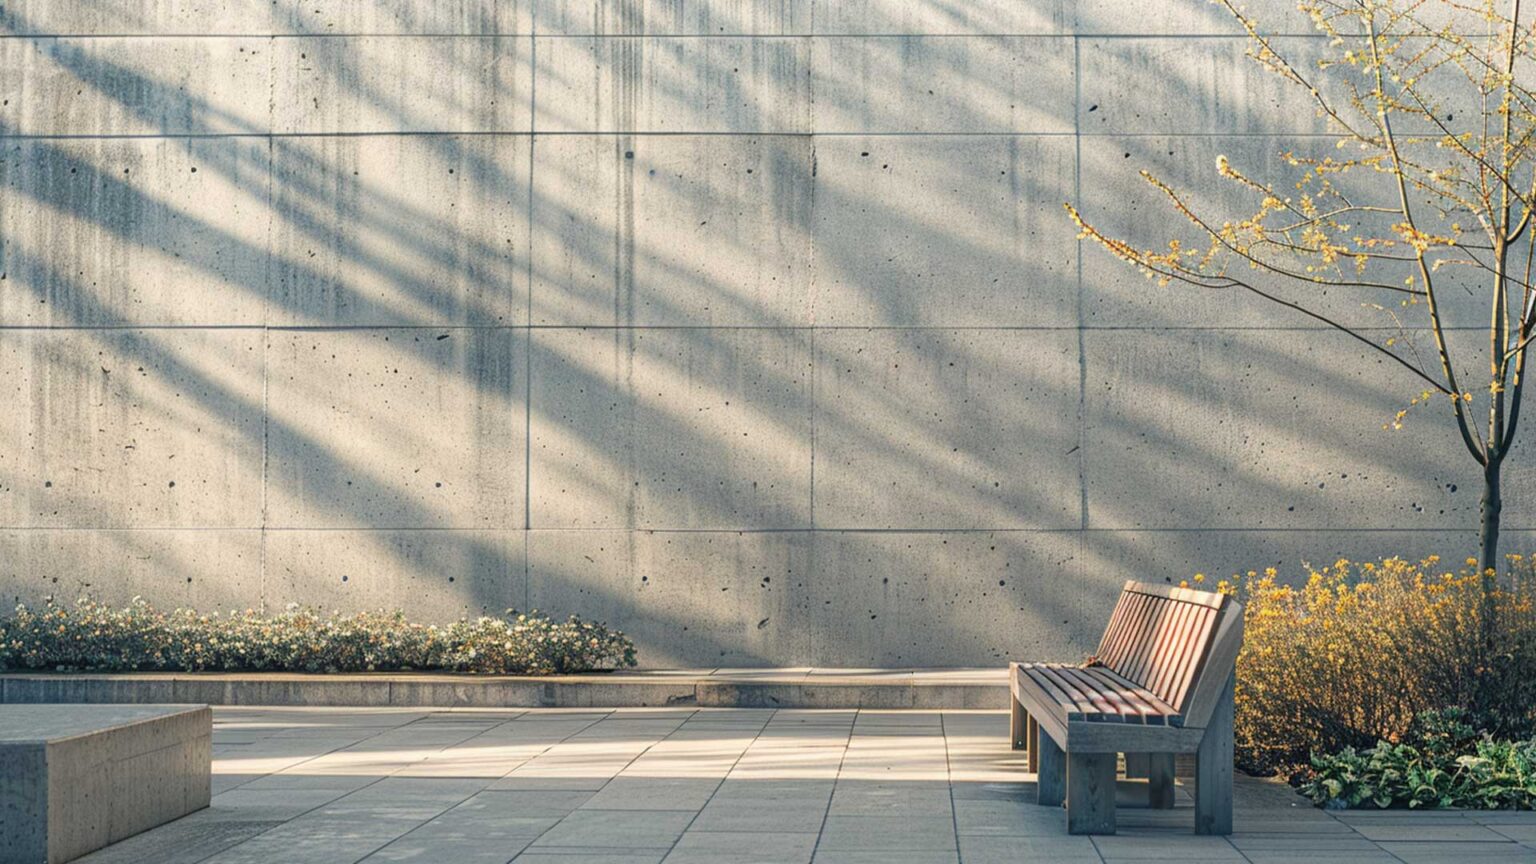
[325, 690]
[945, 231]
[671, 428]
[388, 428]
[137, 17]
[406, 17]
[895, 599]
[433, 576]
[132, 428]
[1196, 85]
[388, 84]
[671, 18]
[980, 697]
[947, 429]
[465, 692]
[410, 230]
[64, 86]
[1263, 429]
[659, 84]
[707, 687]
[1110, 18]
[977, 18]
[200, 569]
[673, 230]
[75, 687]
[662, 692]
[917, 84]
[134, 231]
[706, 598]
[77, 777]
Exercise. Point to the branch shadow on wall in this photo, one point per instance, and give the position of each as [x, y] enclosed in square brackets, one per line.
[903, 364]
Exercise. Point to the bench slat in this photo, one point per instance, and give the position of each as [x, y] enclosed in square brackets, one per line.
[1135, 667]
[1136, 617]
[1117, 701]
[1189, 644]
[1088, 703]
[1158, 642]
[1116, 625]
[1068, 704]
[1206, 631]
[1103, 708]
[1173, 643]
[1155, 711]
[1183, 595]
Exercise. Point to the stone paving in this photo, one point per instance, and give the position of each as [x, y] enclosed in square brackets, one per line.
[727, 786]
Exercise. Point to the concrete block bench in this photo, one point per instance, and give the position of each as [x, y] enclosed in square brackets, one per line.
[74, 778]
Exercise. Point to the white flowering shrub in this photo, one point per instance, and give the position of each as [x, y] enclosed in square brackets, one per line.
[91, 636]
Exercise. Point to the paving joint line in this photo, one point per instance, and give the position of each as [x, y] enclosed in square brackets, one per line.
[726, 776]
[285, 822]
[480, 791]
[609, 713]
[949, 775]
[837, 778]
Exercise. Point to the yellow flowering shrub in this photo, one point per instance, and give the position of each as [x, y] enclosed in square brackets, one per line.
[1352, 655]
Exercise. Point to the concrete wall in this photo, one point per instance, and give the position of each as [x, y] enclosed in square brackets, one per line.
[753, 327]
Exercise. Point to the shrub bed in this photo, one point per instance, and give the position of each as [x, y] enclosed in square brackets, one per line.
[1359, 651]
[90, 636]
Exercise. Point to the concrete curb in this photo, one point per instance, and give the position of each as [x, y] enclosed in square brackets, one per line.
[930, 689]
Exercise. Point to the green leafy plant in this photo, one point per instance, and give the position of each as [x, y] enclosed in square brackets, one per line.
[97, 637]
[1446, 763]
[1445, 733]
[1383, 776]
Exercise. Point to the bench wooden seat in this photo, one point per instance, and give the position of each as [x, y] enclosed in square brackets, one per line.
[1098, 693]
[1160, 684]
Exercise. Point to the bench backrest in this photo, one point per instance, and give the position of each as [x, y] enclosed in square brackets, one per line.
[1177, 643]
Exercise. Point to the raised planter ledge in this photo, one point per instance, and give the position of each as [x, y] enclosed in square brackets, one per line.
[722, 688]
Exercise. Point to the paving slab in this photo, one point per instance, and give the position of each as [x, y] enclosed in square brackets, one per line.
[686, 784]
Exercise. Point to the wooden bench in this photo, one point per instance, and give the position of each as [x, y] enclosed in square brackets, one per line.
[1159, 685]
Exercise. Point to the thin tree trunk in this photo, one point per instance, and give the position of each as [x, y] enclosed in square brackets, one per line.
[1488, 558]
[1488, 529]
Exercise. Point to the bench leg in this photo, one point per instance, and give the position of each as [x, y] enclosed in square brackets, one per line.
[1213, 769]
[1032, 744]
[1160, 782]
[1090, 793]
[1051, 775]
[1018, 722]
[1136, 765]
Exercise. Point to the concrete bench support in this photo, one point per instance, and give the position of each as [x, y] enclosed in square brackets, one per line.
[75, 778]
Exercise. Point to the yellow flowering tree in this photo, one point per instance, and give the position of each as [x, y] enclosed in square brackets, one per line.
[1431, 188]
